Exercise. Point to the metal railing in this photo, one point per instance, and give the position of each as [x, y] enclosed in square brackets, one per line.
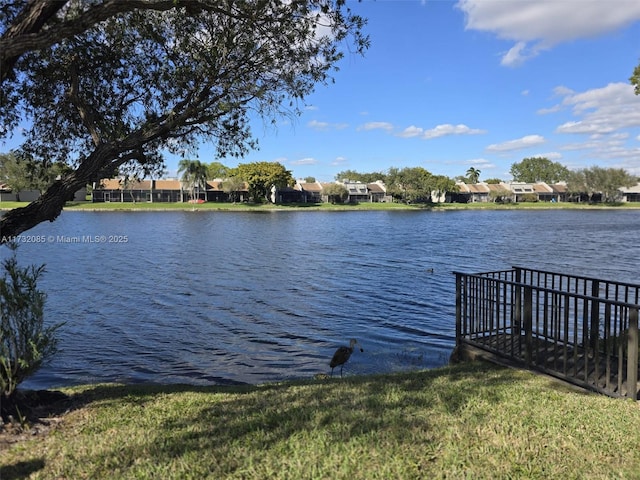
[583, 330]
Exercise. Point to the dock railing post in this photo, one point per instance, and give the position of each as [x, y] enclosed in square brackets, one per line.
[632, 355]
[458, 308]
[528, 324]
[517, 320]
[516, 327]
[594, 330]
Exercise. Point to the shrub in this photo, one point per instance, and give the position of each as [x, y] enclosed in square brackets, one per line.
[336, 193]
[25, 342]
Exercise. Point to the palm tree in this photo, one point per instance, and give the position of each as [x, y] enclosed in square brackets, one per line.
[473, 174]
[194, 175]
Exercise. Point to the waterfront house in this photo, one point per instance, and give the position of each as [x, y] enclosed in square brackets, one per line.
[631, 194]
[378, 192]
[471, 193]
[311, 192]
[115, 190]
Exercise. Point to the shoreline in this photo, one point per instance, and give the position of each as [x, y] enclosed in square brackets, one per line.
[224, 207]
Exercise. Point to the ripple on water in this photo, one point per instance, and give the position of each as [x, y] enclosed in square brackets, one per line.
[224, 297]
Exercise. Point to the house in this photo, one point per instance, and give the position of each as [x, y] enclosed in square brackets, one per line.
[6, 195]
[499, 192]
[631, 194]
[167, 191]
[217, 192]
[523, 191]
[378, 192]
[560, 191]
[311, 192]
[113, 190]
[544, 192]
[358, 192]
[471, 193]
[285, 195]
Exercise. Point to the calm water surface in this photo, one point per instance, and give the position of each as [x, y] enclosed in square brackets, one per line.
[224, 297]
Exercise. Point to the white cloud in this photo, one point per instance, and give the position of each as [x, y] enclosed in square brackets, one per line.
[448, 129]
[439, 131]
[323, 126]
[339, 161]
[411, 131]
[414, 131]
[305, 161]
[517, 55]
[545, 111]
[376, 126]
[582, 127]
[611, 149]
[561, 91]
[518, 144]
[315, 124]
[539, 25]
[481, 162]
[549, 155]
[601, 110]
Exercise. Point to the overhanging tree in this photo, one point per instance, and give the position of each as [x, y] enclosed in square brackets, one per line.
[105, 83]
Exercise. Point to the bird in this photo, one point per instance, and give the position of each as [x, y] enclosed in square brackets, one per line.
[342, 355]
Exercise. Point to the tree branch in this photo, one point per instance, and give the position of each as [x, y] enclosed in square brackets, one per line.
[85, 112]
[28, 32]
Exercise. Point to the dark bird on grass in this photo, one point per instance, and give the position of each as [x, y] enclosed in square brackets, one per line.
[342, 355]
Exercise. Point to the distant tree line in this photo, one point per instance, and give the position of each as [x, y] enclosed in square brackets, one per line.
[407, 185]
[411, 184]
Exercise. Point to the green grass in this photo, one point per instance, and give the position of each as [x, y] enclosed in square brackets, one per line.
[467, 421]
[144, 206]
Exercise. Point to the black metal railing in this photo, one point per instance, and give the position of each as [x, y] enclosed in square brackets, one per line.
[583, 330]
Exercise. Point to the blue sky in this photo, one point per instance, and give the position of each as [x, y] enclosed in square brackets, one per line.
[449, 85]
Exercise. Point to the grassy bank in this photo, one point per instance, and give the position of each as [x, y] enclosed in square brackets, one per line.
[471, 420]
[212, 206]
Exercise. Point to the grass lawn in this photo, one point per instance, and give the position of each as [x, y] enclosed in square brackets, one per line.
[467, 421]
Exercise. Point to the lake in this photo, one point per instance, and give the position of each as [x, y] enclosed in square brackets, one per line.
[227, 297]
